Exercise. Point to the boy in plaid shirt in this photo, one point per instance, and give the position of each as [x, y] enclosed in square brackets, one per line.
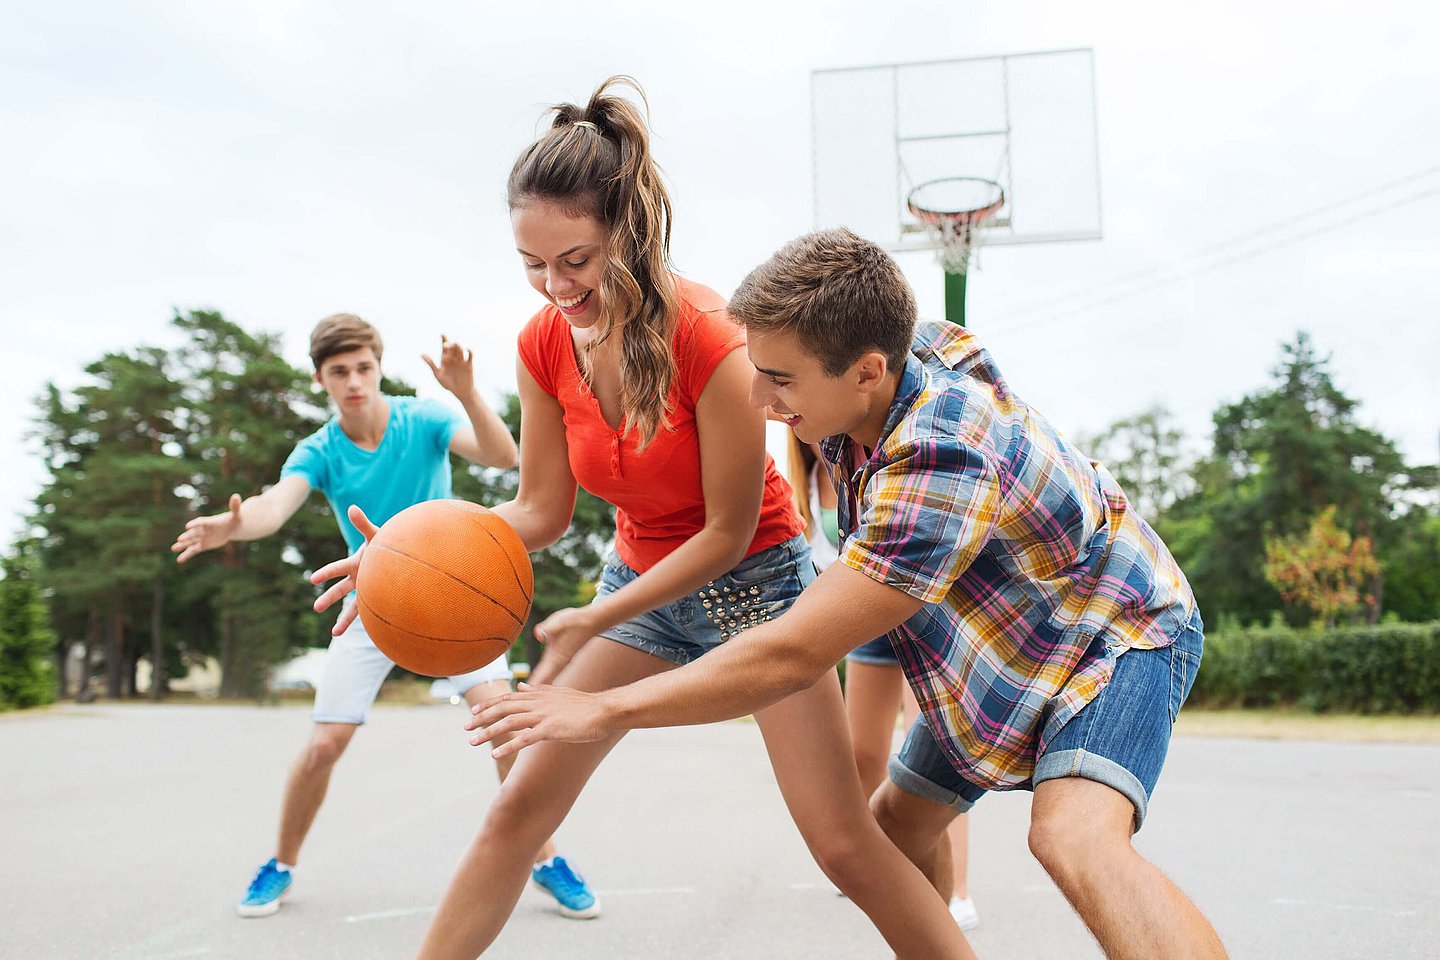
[1047, 632]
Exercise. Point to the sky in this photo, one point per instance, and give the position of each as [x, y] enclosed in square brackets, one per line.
[283, 161]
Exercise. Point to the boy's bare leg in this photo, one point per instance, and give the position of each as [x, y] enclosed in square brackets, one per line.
[809, 748]
[306, 786]
[534, 799]
[479, 694]
[917, 827]
[1080, 832]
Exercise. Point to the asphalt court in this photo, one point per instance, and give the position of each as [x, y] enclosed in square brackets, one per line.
[128, 831]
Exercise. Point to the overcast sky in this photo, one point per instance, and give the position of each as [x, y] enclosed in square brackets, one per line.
[283, 161]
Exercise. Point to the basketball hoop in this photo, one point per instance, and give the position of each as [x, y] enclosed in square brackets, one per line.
[955, 207]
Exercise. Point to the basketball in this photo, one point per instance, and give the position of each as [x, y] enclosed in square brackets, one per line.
[444, 587]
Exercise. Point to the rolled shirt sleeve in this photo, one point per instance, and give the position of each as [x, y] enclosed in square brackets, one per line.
[925, 517]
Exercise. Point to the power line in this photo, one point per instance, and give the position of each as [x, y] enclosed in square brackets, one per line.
[1069, 299]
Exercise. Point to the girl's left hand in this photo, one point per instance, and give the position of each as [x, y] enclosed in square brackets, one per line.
[564, 632]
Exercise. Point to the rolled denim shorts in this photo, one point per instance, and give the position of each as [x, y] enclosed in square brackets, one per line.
[354, 669]
[758, 589]
[878, 652]
[1119, 739]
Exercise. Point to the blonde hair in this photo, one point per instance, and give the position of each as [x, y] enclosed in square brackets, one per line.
[800, 463]
[595, 161]
[341, 333]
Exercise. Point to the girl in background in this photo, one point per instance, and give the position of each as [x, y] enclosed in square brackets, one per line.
[875, 687]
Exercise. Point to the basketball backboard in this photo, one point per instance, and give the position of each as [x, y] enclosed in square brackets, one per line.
[1025, 121]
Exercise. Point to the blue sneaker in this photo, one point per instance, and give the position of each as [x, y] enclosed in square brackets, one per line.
[263, 897]
[567, 887]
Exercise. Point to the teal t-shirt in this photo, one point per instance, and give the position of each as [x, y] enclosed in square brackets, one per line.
[411, 465]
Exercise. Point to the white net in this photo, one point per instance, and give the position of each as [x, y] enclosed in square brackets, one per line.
[954, 208]
[957, 245]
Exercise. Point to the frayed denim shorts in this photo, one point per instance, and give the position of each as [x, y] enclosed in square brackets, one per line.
[1119, 739]
[758, 589]
[878, 652]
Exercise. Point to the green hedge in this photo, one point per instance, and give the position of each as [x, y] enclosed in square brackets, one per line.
[1390, 668]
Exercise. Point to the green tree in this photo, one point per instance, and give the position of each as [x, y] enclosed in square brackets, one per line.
[1146, 454]
[247, 407]
[111, 507]
[26, 640]
[1280, 457]
[1412, 567]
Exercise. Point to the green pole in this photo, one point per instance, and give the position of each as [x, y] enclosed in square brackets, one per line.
[955, 298]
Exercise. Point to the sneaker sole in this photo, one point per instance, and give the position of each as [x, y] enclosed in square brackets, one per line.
[261, 910]
[589, 913]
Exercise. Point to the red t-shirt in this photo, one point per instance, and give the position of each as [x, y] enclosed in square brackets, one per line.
[657, 494]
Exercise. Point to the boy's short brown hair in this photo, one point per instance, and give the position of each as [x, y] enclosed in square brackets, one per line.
[840, 295]
[341, 333]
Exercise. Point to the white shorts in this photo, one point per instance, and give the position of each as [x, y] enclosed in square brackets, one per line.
[355, 668]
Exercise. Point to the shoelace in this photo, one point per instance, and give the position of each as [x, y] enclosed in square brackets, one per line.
[567, 881]
[266, 878]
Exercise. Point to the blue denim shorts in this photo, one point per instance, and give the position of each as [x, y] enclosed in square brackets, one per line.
[1119, 739]
[758, 589]
[878, 652]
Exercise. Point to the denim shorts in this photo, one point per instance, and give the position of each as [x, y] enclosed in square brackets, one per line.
[758, 589]
[354, 669]
[1119, 739]
[878, 652]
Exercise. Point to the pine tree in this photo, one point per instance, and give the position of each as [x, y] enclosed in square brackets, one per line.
[1281, 456]
[247, 407]
[26, 640]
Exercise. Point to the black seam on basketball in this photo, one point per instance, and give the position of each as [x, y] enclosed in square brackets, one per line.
[516, 573]
[469, 586]
[425, 636]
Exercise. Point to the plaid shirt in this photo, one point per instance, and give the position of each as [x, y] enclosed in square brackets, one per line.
[1035, 572]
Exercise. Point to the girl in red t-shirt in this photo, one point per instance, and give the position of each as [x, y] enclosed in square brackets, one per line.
[633, 383]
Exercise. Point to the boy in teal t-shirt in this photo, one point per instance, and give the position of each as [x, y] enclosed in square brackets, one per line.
[382, 454]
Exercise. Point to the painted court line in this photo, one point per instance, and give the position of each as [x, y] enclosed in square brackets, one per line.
[387, 914]
[413, 911]
[1297, 902]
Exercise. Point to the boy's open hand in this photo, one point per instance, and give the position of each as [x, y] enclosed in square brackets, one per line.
[347, 569]
[536, 713]
[207, 533]
[456, 370]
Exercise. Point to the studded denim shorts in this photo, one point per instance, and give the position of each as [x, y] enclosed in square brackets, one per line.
[758, 589]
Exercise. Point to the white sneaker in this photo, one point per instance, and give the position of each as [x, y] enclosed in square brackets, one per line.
[964, 912]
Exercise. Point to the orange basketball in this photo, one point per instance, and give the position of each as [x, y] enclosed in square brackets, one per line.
[444, 587]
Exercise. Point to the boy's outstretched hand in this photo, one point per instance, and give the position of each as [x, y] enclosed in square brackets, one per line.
[541, 712]
[207, 533]
[456, 369]
[347, 569]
